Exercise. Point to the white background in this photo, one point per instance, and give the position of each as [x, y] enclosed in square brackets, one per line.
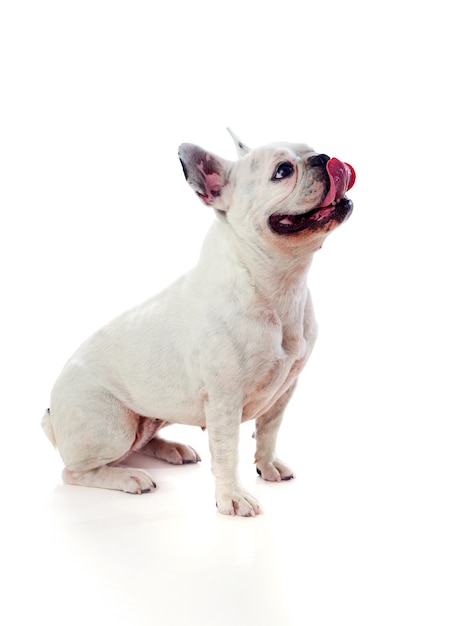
[96, 216]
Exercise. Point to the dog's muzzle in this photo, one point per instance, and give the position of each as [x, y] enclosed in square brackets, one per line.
[334, 207]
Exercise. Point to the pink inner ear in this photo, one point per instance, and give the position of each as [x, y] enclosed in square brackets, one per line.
[213, 183]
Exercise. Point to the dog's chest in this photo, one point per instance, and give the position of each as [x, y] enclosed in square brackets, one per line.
[275, 376]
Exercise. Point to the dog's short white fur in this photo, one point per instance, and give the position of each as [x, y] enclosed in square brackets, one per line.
[224, 344]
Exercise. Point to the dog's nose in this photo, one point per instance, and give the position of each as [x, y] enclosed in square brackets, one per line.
[318, 159]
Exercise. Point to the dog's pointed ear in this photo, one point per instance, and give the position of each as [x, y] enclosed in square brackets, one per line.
[241, 148]
[207, 174]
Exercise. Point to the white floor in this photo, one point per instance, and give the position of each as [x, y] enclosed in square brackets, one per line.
[80, 555]
[370, 531]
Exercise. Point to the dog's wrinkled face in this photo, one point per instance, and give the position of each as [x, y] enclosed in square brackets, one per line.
[281, 191]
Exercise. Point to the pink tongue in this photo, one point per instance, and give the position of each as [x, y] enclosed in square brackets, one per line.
[341, 177]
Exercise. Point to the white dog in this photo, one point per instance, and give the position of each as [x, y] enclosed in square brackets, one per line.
[224, 344]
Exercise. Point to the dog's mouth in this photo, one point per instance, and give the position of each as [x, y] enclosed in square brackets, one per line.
[335, 207]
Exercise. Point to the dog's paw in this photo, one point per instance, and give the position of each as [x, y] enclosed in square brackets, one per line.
[175, 453]
[238, 503]
[119, 478]
[275, 471]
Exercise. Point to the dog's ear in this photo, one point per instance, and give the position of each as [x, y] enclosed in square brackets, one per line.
[207, 174]
[241, 148]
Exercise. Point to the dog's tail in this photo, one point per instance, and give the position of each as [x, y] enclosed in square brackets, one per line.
[47, 426]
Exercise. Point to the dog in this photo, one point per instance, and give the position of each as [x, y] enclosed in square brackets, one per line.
[223, 344]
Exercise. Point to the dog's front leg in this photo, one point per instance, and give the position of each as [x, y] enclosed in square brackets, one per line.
[266, 432]
[223, 424]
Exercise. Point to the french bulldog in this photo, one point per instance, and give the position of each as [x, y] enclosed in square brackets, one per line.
[223, 344]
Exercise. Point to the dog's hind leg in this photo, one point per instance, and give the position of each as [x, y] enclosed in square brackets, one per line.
[94, 431]
[269, 467]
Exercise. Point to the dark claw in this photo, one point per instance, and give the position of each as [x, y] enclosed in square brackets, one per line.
[149, 490]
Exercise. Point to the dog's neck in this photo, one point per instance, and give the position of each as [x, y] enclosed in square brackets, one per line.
[280, 281]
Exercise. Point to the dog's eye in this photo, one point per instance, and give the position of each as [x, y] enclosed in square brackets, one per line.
[284, 170]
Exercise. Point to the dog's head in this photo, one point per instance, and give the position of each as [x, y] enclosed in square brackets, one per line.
[289, 194]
